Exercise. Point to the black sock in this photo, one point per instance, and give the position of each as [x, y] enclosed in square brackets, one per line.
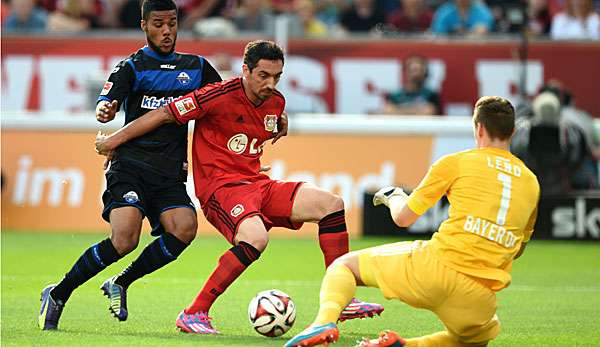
[157, 254]
[92, 261]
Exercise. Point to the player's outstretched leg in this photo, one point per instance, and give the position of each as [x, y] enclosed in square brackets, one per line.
[386, 338]
[333, 239]
[50, 311]
[195, 323]
[315, 335]
[360, 309]
[117, 297]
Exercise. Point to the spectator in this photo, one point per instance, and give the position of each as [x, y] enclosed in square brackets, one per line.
[282, 6]
[328, 11]
[415, 98]
[195, 10]
[25, 16]
[311, 26]
[253, 15]
[509, 15]
[414, 16]
[363, 16]
[551, 148]
[75, 15]
[540, 17]
[462, 17]
[579, 22]
[130, 14]
[587, 175]
[4, 10]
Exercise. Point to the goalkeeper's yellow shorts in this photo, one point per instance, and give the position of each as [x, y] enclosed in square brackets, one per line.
[410, 272]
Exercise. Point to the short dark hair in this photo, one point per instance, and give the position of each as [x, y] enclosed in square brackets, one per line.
[261, 49]
[497, 116]
[156, 5]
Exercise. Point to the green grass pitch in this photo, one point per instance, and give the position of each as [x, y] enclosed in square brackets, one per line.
[554, 299]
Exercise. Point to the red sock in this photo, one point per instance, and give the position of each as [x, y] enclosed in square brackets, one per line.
[230, 266]
[333, 236]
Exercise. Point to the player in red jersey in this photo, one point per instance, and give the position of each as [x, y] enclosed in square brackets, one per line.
[234, 119]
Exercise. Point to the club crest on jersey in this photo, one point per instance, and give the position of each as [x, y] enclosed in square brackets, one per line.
[237, 143]
[106, 89]
[237, 210]
[183, 78]
[131, 197]
[271, 123]
[185, 105]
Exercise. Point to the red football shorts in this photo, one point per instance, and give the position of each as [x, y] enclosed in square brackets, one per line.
[271, 200]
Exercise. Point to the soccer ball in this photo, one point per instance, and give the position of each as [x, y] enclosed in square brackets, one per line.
[272, 313]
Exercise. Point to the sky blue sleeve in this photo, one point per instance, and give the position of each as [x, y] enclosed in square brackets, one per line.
[484, 17]
[439, 24]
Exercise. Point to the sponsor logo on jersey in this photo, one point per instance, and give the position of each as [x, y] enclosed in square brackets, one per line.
[237, 210]
[168, 66]
[271, 123]
[237, 143]
[131, 197]
[185, 105]
[106, 89]
[183, 78]
[152, 102]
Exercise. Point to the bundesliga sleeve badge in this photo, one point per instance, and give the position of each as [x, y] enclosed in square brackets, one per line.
[271, 123]
[106, 89]
[185, 105]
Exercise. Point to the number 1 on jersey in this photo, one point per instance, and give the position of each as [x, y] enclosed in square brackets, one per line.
[505, 200]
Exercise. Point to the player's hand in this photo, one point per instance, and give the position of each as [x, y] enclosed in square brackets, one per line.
[383, 195]
[106, 111]
[107, 160]
[104, 145]
[282, 126]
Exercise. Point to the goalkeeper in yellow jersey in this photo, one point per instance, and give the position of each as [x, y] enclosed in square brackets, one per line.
[493, 206]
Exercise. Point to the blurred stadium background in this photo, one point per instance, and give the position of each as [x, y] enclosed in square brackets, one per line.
[346, 59]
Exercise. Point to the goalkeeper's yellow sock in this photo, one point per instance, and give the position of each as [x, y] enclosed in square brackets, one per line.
[337, 290]
[439, 339]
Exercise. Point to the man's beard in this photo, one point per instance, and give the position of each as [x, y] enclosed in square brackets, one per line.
[157, 49]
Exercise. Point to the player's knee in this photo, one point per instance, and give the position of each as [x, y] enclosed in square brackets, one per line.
[185, 229]
[337, 203]
[124, 243]
[348, 260]
[258, 240]
[331, 203]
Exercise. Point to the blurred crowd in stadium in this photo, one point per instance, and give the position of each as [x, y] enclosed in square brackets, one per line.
[570, 148]
[558, 19]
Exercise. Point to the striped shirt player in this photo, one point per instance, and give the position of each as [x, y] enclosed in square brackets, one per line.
[147, 175]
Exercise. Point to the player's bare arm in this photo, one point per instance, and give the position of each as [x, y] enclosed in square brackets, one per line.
[402, 215]
[106, 110]
[105, 144]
